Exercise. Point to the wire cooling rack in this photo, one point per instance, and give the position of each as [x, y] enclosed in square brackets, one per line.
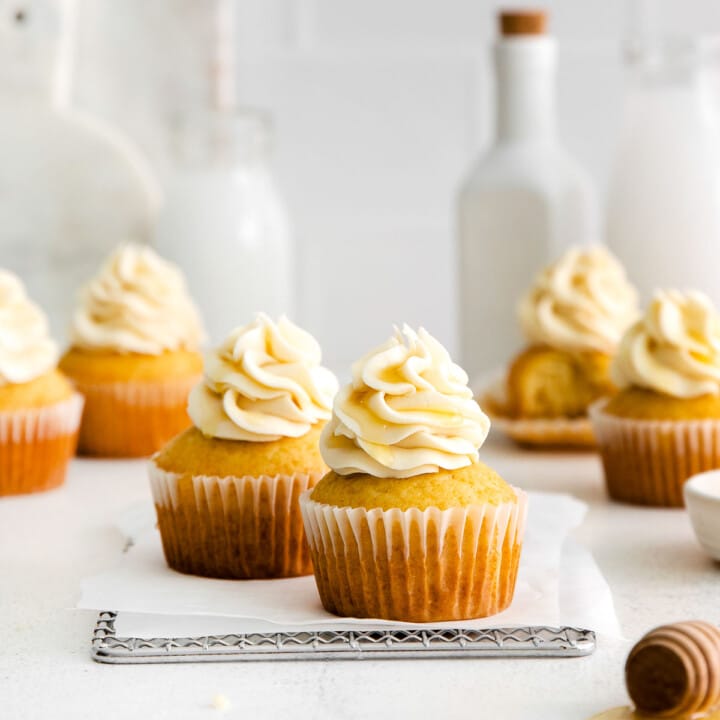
[107, 647]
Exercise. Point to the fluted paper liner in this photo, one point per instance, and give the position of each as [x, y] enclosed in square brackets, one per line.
[547, 432]
[232, 527]
[415, 565]
[37, 444]
[133, 419]
[647, 462]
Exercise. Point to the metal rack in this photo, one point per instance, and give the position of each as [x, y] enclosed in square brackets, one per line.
[107, 647]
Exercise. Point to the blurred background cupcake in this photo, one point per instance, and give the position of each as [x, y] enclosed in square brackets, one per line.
[226, 490]
[409, 525]
[572, 318]
[664, 424]
[39, 411]
[134, 354]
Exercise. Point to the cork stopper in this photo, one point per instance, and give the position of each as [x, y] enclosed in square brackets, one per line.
[522, 22]
[675, 670]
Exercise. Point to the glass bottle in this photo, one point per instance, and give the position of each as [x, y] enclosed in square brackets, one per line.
[663, 210]
[224, 221]
[524, 202]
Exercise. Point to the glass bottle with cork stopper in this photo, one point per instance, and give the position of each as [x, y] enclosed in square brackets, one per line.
[524, 202]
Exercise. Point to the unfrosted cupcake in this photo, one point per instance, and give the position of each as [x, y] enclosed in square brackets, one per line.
[226, 490]
[409, 525]
[572, 317]
[134, 354]
[664, 424]
[39, 411]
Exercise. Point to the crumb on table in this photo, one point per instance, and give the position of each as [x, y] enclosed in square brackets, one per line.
[221, 702]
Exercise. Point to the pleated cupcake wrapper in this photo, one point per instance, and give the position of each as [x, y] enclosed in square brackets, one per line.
[550, 432]
[133, 419]
[37, 444]
[647, 462]
[415, 565]
[233, 527]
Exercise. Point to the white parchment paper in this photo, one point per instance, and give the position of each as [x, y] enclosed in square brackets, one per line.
[558, 583]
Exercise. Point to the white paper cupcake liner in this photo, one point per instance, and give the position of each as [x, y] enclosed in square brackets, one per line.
[232, 527]
[415, 565]
[41, 423]
[133, 419]
[647, 462]
[36, 445]
[142, 393]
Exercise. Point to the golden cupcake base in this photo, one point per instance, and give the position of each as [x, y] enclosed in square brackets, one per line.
[546, 382]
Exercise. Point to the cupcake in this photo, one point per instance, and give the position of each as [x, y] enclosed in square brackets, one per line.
[573, 318]
[226, 490]
[664, 424]
[134, 354]
[408, 524]
[39, 410]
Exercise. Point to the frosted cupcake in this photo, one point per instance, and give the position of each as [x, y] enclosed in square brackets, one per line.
[39, 411]
[664, 424]
[134, 354]
[573, 318]
[409, 525]
[226, 490]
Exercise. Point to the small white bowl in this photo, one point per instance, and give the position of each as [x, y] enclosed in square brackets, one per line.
[702, 499]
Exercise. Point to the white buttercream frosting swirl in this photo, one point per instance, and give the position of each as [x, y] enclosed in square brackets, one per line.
[263, 383]
[26, 349]
[582, 302]
[674, 349]
[407, 411]
[138, 303]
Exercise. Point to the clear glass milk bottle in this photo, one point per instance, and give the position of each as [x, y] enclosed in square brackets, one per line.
[663, 213]
[525, 201]
[224, 221]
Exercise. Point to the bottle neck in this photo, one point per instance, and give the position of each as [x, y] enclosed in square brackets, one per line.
[670, 87]
[221, 140]
[525, 89]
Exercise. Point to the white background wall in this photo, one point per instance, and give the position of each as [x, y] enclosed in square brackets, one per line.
[379, 107]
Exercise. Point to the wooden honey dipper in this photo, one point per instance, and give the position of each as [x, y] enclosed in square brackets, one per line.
[674, 671]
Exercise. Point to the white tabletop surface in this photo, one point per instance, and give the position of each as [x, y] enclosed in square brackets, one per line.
[48, 542]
